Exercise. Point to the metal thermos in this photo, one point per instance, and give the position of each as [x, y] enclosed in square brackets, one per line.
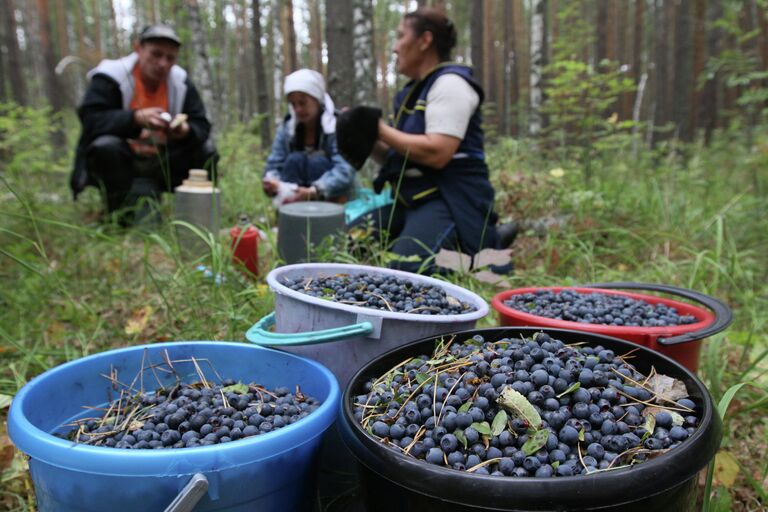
[302, 226]
[197, 202]
[245, 245]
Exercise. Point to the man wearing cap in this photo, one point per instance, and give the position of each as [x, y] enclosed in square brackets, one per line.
[305, 163]
[143, 125]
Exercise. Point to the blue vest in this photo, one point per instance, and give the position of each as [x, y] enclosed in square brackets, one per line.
[409, 108]
[463, 183]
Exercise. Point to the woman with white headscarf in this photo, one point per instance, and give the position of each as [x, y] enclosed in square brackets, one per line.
[305, 163]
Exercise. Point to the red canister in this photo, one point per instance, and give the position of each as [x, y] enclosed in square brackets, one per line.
[245, 245]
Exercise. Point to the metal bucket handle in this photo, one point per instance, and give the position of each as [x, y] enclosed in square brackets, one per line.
[192, 493]
[260, 334]
[723, 314]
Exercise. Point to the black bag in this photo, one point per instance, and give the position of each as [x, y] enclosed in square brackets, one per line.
[357, 130]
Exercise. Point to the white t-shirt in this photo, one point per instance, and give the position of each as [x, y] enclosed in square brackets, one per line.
[451, 101]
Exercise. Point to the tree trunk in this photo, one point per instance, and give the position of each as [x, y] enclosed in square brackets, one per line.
[554, 33]
[202, 73]
[514, 73]
[489, 67]
[661, 113]
[4, 95]
[52, 86]
[290, 61]
[611, 34]
[538, 8]
[15, 70]
[637, 40]
[763, 22]
[262, 94]
[338, 35]
[277, 55]
[601, 51]
[699, 57]
[315, 36]
[476, 44]
[118, 47]
[365, 62]
[243, 59]
[61, 30]
[683, 88]
[522, 65]
[97, 27]
[710, 97]
[624, 38]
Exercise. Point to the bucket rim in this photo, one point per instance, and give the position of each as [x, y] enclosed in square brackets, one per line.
[708, 318]
[45, 447]
[622, 485]
[454, 290]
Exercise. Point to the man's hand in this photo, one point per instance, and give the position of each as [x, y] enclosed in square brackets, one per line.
[180, 131]
[179, 128]
[152, 118]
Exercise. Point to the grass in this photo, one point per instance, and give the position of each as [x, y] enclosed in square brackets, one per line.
[686, 216]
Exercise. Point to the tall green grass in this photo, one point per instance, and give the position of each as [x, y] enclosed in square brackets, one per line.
[687, 216]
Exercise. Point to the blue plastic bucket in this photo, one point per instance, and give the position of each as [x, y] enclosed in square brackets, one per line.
[274, 471]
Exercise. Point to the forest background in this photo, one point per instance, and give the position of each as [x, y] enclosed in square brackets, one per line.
[628, 136]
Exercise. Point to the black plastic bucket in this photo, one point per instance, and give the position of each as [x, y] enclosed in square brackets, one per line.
[393, 481]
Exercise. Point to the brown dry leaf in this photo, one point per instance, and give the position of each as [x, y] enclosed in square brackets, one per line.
[493, 257]
[726, 468]
[486, 276]
[56, 329]
[667, 387]
[114, 266]
[453, 260]
[138, 321]
[6, 450]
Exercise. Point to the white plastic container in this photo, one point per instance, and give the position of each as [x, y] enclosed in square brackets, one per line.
[343, 337]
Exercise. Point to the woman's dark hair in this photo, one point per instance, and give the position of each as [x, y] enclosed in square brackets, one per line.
[429, 19]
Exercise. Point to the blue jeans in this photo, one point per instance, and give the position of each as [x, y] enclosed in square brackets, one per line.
[420, 231]
[305, 168]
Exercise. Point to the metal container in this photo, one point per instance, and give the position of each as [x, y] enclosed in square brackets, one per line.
[302, 226]
[198, 207]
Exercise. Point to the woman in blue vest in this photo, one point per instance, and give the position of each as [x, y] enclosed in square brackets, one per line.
[304, 163]
[434, 159]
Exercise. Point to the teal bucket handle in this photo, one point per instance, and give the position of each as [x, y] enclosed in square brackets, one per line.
[260, 334]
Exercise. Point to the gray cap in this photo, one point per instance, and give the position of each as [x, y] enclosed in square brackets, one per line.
[159, 32]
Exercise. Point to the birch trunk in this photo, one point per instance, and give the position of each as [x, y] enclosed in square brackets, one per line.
[537, 57]
[363, 56]
[202, 73]
[15, 70]
[341, 67]
[262, 94]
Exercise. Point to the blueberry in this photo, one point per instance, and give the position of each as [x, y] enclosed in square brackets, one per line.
[448, 443]
[664, 419]
[380, 429]
[435, 456]
[678, 434]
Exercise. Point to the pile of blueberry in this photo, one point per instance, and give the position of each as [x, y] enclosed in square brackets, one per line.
[597, 308]
[381, 291]
[191, 415]
[522, 408]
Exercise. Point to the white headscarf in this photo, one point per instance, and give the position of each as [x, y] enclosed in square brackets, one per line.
[312, 83]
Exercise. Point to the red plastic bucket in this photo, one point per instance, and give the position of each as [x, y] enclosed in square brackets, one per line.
[681, 342]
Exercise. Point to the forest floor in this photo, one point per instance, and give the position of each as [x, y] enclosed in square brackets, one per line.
[690, 216]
